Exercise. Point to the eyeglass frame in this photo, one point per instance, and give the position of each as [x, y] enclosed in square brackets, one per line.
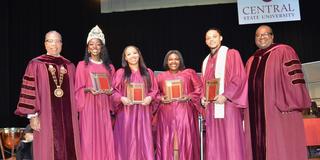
[53, 40]
[264, 35]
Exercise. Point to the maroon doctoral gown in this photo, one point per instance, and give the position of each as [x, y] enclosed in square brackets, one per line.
[58, 138]
[277, 95]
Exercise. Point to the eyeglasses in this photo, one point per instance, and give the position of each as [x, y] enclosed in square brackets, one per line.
[263, 35]
[53, 40]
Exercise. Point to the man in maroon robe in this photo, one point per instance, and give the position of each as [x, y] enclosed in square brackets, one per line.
[224, 118]
[47, 99]
[277, 95]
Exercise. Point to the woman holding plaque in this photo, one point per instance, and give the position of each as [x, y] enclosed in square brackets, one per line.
[180, 90]
[134, 88]
[93, 90]
[224, 97]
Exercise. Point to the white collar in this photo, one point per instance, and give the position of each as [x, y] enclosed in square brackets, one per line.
[53, 55]
[95, 62]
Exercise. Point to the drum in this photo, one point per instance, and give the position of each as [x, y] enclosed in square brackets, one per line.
[10, 138]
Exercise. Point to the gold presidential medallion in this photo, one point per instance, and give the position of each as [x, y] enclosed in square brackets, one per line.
[58, 92]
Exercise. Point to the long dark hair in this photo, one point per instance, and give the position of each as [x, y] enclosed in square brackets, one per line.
[178, 53]
[142, 67]
[104, 55]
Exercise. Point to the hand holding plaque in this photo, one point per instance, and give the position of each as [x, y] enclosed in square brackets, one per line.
[107, 91]
[165, 99]
[125, 101]
[146, 101]
[184, 98]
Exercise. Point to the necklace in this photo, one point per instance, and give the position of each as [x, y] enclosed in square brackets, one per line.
[58, 92]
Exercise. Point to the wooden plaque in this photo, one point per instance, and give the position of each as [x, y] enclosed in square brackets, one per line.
[173, 90]
[135, 92]
[212, 89]
[100, 81]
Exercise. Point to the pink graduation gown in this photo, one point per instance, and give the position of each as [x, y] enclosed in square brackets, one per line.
[132, 130]
[225, 137]
[94, 111]
[178, 117]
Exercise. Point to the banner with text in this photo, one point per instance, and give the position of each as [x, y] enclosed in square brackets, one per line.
[263, 11]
